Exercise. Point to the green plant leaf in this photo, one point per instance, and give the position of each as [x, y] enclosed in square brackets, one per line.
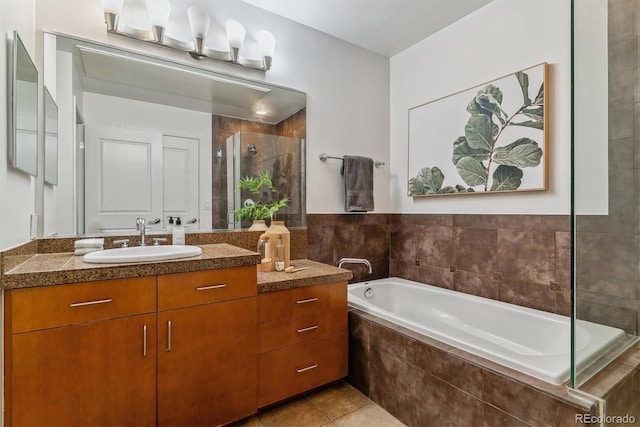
[523, 79]
[506, 178]
[529, 123]
[461, 149]
[447, 189]
[540, 96]
[479, 132]
[428, 181]
[490, 98]
[474, 108]
[472, 172]
[534, 113]
[523, 153]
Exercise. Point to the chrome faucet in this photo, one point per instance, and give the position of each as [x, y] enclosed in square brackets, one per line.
[355, 261]
[141, 226]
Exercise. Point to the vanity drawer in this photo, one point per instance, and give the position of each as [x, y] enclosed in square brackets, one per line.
[298, 301]
[203, 287]
[298, 329]
[60, 305]
[293, 370]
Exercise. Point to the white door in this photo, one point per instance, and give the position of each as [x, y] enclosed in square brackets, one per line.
[180, 178]
[123, 178]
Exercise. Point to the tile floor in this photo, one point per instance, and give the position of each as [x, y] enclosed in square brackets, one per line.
[338, 405]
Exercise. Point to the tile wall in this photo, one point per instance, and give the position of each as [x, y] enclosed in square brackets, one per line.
[520, 259]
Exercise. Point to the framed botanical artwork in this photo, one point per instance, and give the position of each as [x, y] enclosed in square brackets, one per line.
[486, 139]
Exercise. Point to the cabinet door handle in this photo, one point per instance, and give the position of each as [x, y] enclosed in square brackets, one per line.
[168, 335]
[144, 341]
[304, 301]
[100, 301]
[308, 368]
[206, 288]
[310, 328]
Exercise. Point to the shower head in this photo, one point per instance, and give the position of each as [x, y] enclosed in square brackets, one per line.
[252, 149]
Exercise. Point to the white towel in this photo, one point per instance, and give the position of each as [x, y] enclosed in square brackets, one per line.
[84, 251]
[89, 243]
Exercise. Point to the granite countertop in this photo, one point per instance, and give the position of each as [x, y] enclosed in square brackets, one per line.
[317, 274]
[60, 268]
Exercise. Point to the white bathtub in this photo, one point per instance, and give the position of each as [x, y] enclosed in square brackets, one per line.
[534, 342]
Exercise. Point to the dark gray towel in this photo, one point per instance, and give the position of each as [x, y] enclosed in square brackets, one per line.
[358, 183]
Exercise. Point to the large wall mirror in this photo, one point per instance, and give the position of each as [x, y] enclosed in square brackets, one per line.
[23, 110]
[143, 136]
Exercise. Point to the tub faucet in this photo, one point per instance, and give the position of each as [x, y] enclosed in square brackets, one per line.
[355, 261]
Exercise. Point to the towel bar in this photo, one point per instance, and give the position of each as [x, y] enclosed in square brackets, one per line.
[323, 158]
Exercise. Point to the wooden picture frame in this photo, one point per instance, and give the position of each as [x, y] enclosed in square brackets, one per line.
[486, 139]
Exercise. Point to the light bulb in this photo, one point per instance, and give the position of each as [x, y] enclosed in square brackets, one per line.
[159, 11]
[235, 33]
[199, 22]
[266, 42]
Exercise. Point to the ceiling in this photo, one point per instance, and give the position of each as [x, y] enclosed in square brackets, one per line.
[386, 27]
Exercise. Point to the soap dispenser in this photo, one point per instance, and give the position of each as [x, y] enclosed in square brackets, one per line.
[178, 233]
[170, 226]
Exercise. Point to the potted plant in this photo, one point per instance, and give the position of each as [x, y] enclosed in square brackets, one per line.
[260, 210]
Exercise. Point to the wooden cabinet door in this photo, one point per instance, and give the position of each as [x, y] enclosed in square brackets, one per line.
[92, 374]
[207, 363]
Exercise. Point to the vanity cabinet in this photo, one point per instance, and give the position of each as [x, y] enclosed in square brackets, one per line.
[81, 354]
[168, 350]
[207, 369]
[302, 340]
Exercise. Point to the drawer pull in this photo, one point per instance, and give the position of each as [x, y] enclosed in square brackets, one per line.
[82, 304]
[206, 288]
[308, 368]
[304, 301]
[144, 341]
[310, 328]
[168, 335]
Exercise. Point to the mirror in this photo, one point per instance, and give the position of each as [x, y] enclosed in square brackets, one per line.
[23, 112]
[144, 136]
[50, 139]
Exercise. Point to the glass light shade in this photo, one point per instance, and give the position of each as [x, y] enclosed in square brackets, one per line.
[235, 33]
[112, 6]
[266, 42]
[199, 22]
[159, 11]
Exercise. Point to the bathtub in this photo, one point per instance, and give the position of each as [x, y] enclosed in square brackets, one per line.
[531, 341]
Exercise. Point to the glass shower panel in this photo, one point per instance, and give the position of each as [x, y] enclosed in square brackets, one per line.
[250, 154]
[606, 162]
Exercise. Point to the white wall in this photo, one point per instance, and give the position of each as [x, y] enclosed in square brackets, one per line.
[112, 111]
[17, 190]
[502, 37]
[347, 87]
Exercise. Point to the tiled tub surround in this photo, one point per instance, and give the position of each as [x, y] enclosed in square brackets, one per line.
[519, 259]
[425, 382]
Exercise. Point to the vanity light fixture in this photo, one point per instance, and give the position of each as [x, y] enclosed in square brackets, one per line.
[159, 12]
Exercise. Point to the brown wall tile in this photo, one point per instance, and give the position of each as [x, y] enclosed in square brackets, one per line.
[359, 351]
[475, 284]
[527, 256]
[533, 295]
[476, 249]
[445, 405]
[516, 399]
[494, 417]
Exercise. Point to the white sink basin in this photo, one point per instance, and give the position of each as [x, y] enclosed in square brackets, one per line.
[142, 253]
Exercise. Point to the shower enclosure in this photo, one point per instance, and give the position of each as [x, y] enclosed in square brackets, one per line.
[605, 202]
[251, 154]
